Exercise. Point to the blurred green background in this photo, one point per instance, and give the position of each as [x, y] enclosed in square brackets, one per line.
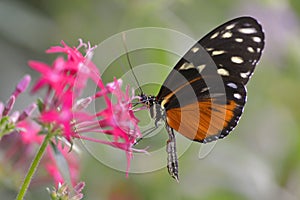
[259, 160]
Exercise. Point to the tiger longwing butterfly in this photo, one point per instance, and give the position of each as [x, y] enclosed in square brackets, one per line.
[204, 95]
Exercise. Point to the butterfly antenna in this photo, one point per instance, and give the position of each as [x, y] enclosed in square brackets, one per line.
[130, 65]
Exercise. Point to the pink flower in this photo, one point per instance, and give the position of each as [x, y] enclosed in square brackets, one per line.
[65, 80]
[54, 77]
[117, 120]
[63, 114]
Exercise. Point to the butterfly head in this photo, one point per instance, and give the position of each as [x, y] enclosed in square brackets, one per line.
[148, 101]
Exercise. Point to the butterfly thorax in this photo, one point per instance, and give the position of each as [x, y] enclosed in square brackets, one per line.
[157, 112]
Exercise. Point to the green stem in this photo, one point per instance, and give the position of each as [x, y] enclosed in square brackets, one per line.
[33, 167]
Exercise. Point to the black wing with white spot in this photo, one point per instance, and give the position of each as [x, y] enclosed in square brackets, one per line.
[235, 47]
[227, 55]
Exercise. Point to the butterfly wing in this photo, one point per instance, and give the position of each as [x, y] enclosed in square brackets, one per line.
[204, 95]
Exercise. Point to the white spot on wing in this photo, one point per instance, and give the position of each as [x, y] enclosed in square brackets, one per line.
[204, 89]
[209, 49]
[217, 52]
[223, 72]
[230, 26]
[245, 74]
[239, 39]
[232, 85]
[250, 49]
[256, 39]
[254, 62]
[247, 30]
[195, 49]
[214, 35]
[186, 66]
[237, 96]
[227, 35]
[258, 50]
[200, 68]
[237, 59]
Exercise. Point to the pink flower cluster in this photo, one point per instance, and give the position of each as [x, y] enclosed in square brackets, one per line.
[63, 112]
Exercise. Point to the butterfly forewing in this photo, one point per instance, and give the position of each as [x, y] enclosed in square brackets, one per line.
[205, 93]
[236, 47]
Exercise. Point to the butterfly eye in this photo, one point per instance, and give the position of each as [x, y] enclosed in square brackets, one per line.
[148, 104]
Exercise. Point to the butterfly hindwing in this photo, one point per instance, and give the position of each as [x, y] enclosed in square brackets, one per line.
[205, 93]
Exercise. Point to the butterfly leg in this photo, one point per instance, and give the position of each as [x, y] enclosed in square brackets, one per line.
[146, 133]
[172, 154]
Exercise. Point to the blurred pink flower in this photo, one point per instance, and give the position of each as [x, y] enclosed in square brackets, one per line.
[62, 191]
[27, 140]
[54, 173]
[29, 132]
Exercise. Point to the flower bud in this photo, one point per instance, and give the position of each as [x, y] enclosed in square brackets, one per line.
[9, 105]
[22, 85]
[27, 112]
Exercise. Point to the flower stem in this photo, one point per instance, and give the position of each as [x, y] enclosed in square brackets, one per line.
[33, 167]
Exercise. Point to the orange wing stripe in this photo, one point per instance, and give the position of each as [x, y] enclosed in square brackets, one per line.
[201, 119]
[167, 98]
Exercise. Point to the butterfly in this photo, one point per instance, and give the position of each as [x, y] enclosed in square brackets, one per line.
[203, 97]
